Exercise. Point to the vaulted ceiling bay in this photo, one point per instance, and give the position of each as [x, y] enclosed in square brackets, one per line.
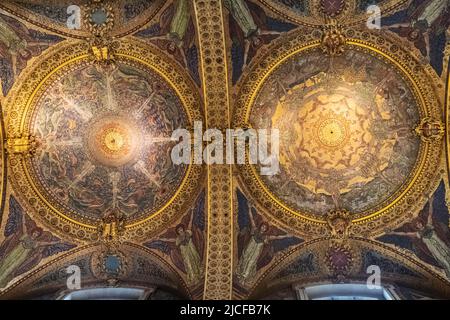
[93, 204]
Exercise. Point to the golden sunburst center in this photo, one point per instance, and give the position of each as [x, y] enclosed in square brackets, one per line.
[114, 140]
[332, 132]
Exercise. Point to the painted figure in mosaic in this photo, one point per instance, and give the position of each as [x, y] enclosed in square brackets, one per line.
[185, 245]
[257, 246]
[189, 253]
[428, 19]
[25, 245]
[178, 29]
[430, 239]
[251, 34]
[17, 46]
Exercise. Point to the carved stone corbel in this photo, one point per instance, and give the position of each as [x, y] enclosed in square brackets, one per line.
[24, 145]
[333, 40]
[339, 222]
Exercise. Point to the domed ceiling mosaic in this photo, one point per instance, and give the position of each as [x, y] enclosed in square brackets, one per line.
[98, 139]
[347, 131]
[90, 99]
[103, 141]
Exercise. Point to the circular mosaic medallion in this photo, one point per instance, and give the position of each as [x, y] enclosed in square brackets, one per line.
[103, 136]
[349, 134]
[347, 139]
[114, 140]
[102, 140]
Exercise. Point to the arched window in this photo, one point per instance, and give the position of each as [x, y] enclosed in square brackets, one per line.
[107, 294]
[345, 292]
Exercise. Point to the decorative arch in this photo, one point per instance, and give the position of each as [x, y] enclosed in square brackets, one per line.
[334, 262]
[51, 278]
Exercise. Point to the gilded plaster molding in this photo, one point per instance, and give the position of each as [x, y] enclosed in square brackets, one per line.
[213, 56]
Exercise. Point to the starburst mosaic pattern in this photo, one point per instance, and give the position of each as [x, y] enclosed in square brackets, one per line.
[103, 142]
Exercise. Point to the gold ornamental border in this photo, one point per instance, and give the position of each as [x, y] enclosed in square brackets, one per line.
[423, 179]
[429, 277]
[447, 125]
[3, 166]
[315, 17]
[60, 28]
[21, 106]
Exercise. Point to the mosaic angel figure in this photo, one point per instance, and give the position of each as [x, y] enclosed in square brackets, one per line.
[175, 31]
[249, 31]
[17, 45]
[427, 20]
[258, 243]
[428, 235]
[25, 245]
[185, 245]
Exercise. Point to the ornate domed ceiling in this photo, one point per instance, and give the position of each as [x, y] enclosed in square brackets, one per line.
[358, 133]
[347, 128]
[99, 139]
[88, 179]
[103, 140]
